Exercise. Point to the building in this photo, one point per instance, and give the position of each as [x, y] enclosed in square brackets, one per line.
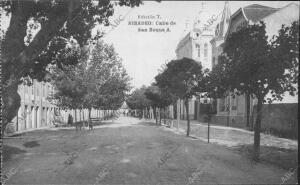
[232, 111]
[196, 45]
[220, 33]
[36, 111]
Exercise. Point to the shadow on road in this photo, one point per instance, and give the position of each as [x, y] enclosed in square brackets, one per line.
[8, 151]
[146, 123]
[31, 144]
[283, 158]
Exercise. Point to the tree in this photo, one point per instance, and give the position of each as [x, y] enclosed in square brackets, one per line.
[70, 83]
[181, 78]
[137, 100]
[100, 82]
[260, 67]
[56, 24]
[108, 80]
[159, 98]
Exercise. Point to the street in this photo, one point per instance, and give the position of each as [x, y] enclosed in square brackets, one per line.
[128, 151]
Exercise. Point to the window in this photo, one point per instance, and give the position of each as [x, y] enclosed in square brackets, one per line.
[205, 49]
[213, 61]
[198, 49]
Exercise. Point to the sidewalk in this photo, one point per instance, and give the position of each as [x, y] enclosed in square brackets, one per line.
[230, 136]
[277, 151]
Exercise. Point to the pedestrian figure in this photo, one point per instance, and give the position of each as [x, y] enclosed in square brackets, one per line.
[90, 123]
[70, 120]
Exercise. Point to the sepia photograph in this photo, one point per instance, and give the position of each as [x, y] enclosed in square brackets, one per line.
[137, 92]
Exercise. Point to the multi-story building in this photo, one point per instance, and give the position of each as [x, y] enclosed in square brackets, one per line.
[232, 110]
[196, 45]
[35, 110]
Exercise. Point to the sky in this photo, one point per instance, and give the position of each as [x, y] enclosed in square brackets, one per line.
[143, 53]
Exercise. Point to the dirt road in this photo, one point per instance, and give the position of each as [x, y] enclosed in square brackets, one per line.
[128, 151]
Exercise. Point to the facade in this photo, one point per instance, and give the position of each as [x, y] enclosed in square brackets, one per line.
[37, 112]
[196, 45]
[233, 110]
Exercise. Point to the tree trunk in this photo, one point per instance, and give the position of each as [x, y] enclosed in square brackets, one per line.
[178, 113]
[80, 114]
[11, 104]
[89, 113]
[187, 117]
[17, 58]
[248, 109]
[75, 115]
[155, 115]
[257, 127]
[83, 114]
[165, 115]
[159, 116]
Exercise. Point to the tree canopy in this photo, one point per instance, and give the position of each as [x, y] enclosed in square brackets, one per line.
[255, 65]
[183, 78]
[137, 99]
[97, 82]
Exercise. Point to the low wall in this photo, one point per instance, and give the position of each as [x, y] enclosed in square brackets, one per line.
[279, 119]
[231, 121]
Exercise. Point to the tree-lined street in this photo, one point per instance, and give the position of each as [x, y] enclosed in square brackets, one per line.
[72, 113]
[129, 151]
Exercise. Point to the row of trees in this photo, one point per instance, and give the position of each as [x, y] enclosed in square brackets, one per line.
[98, 81]
[180, 79]
[38, 35]
[145, 98]
[251, 64]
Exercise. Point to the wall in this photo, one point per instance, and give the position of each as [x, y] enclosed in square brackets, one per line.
[280, 119]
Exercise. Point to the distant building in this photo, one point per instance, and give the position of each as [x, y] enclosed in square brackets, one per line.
[233, 110]
[196, 45]
[124, 108]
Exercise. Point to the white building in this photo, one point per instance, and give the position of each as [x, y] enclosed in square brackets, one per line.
[196, 45]
[37, 112]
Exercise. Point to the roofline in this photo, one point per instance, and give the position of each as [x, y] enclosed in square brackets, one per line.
[278, 9]
[235, 13]
[230, 20]
[186, 37]
[244, 14]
